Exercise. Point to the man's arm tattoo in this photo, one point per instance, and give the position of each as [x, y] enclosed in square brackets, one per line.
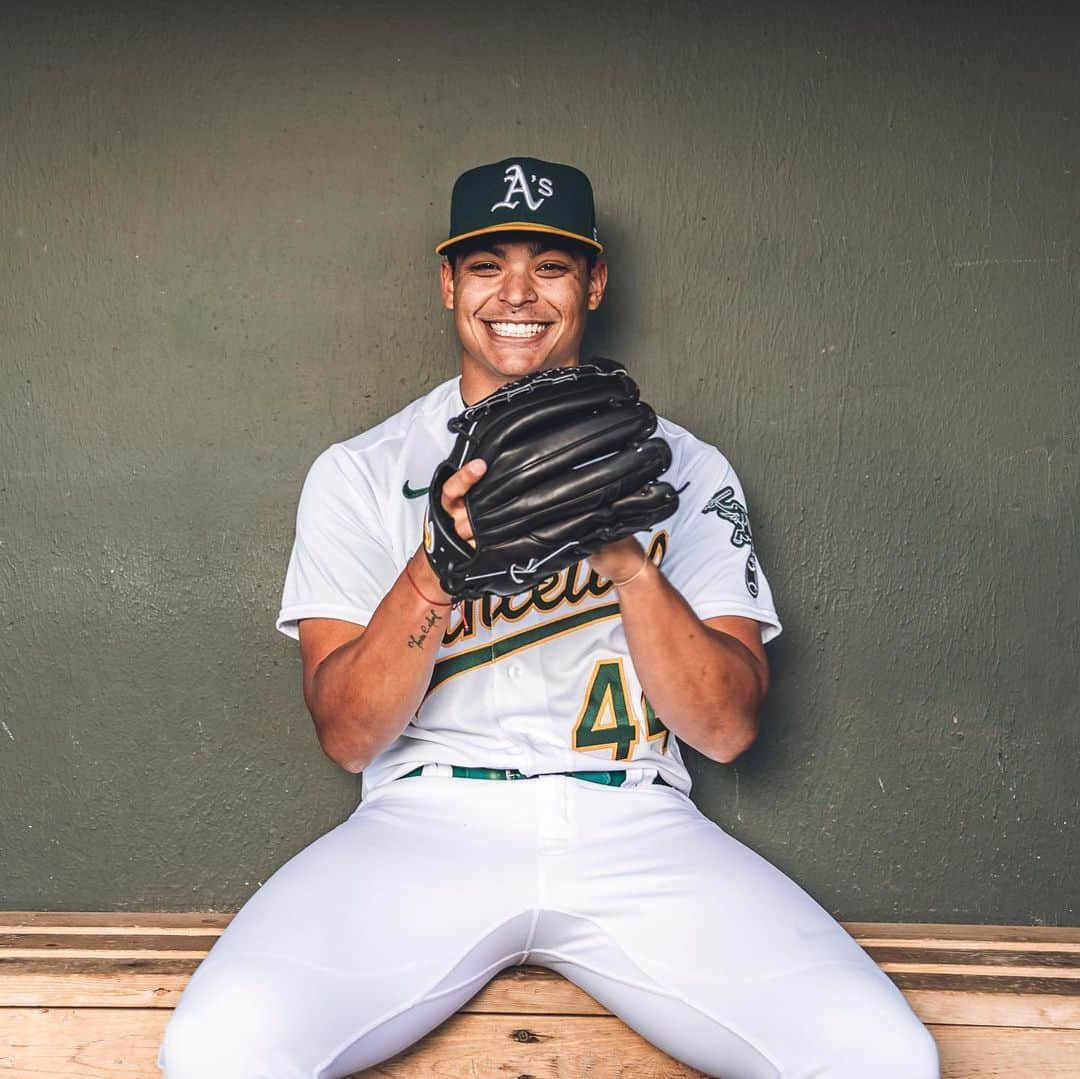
[418, 641]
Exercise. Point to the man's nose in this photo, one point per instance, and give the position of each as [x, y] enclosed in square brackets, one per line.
[517, 288]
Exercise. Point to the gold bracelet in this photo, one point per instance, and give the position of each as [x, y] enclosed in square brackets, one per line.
[637, 573]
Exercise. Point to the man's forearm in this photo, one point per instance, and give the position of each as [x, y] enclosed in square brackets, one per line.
[364, 693]
[703, 685]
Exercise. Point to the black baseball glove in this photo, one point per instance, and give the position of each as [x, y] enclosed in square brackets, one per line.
[571, 467]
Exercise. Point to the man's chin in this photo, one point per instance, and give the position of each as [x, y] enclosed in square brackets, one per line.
[518, 365]
[490, 369]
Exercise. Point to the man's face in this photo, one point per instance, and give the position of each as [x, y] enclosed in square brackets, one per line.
[520, 306]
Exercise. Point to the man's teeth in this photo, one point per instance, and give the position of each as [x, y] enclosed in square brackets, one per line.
[517, 329]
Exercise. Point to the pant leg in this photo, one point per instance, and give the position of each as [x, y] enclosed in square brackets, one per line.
[711, 953]
[364, 941]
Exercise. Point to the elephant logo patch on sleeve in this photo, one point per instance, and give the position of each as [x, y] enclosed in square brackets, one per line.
[728, 508]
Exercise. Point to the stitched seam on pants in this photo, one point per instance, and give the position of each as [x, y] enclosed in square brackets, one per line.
[426, 997]
[789, 972]
[658, 989]
[428, 994]
[280, 957]
[629, 953]
[532, 934]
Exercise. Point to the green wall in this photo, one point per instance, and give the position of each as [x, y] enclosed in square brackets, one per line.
[844, 247]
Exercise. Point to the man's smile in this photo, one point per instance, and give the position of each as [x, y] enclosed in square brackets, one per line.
[521, 331]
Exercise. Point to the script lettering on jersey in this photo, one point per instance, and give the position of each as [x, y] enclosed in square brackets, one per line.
[417, 641]
[567, 588]
[518, 184]
[728, 508]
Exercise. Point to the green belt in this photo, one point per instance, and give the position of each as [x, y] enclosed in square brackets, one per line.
[611, 779]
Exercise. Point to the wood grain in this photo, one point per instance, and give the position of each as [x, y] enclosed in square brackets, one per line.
[88, 994]
[43, 1043]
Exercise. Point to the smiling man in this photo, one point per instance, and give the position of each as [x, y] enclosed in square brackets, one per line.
[598, 864]
[517, 303]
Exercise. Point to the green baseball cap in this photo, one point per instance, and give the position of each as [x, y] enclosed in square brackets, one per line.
[522, 194]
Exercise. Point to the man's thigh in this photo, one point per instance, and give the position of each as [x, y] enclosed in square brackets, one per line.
[363, 941]
[711, 952]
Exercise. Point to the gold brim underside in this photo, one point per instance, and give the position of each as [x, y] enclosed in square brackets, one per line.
[518, 226]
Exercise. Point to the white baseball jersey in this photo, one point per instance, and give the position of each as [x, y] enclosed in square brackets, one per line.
[542, 681]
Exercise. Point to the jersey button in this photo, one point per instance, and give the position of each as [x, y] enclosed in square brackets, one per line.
[514, 671]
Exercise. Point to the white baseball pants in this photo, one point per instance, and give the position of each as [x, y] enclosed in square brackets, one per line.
[382, 928]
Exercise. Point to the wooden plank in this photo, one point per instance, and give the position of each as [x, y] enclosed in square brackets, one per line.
[548, 994]
[14, 945]
[84, 945]
[947, 1007]
[159, 983]
[1041, 955]
[53, 942]
[131, 921]
[121, 964]
[44, 984]
[932, 933]
[117, 968]
[100, 955]
[522, 990]
[1007, 1053]
[968, 947]
[971, 983]
[1016, 970]
[94, 990]
[50, 1043]
[122, 1044]
[466, 1046]
[530, 990]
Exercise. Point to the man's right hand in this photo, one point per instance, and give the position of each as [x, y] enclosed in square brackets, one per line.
[453, 496]
[453, 501]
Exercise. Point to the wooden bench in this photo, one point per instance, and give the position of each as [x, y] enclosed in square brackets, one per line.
[85, 994]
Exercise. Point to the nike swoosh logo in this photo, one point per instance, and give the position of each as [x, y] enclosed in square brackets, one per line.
[413, 492]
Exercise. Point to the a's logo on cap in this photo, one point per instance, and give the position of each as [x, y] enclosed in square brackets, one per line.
[518, 184]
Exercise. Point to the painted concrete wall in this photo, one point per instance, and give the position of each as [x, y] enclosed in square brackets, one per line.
[844, 248]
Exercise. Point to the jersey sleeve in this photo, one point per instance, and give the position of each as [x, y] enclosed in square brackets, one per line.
[339, 567]
[712, 560]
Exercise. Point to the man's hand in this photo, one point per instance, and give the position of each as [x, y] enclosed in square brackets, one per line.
[453, 497]
[619, 560]
[453, 501]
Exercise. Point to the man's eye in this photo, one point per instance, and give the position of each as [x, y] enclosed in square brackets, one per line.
[552, 267]
[482, 267]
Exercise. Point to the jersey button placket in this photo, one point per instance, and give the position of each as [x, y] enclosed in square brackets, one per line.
[513, 675]
[507, 700]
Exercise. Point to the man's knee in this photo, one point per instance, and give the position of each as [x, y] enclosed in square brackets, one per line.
[225, 1026]
[887, 1040]
[859, 1024]
[900, 1049]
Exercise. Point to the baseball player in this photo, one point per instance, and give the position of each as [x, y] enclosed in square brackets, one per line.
[524, 797]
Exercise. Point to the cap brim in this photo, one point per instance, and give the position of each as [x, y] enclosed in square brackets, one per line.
[519, 226]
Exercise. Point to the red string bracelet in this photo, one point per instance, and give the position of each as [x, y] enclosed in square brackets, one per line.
[421, 594]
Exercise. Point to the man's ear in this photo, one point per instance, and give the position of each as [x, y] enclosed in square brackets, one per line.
[446, 284]
[597, 284]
